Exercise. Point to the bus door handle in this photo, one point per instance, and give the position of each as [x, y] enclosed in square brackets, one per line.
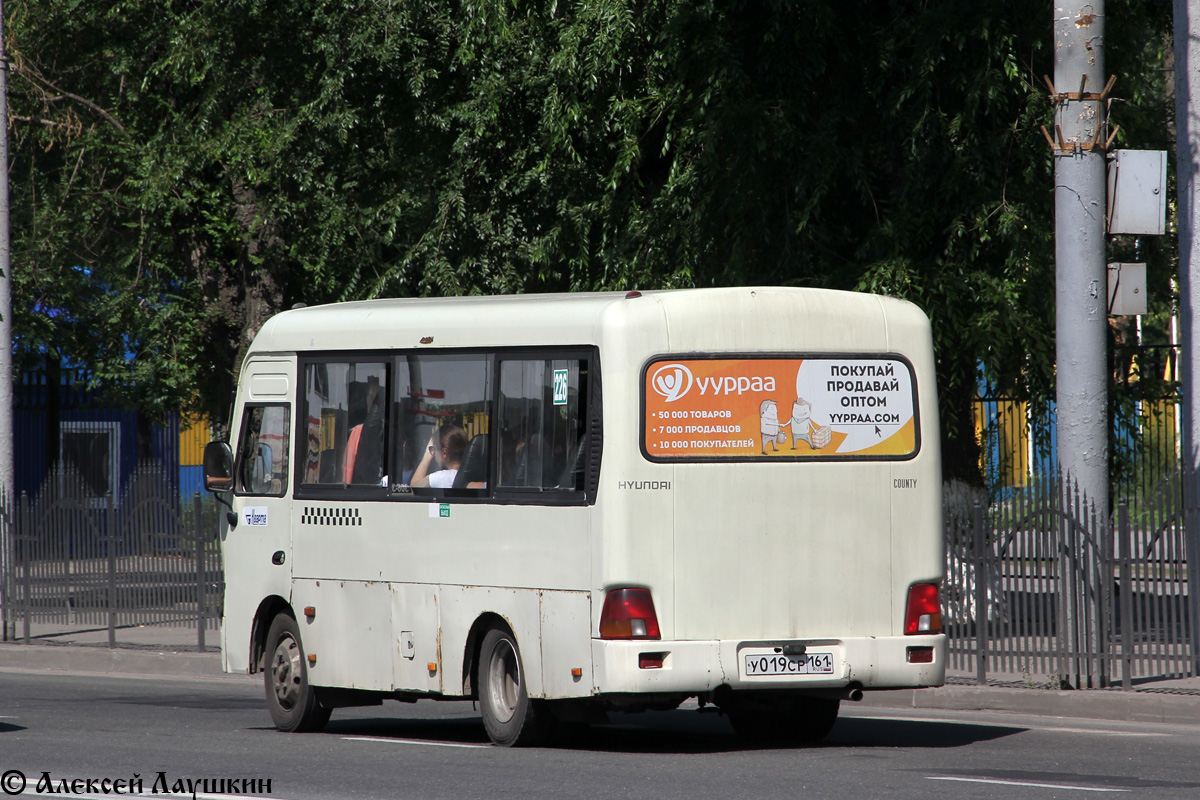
[277, 558]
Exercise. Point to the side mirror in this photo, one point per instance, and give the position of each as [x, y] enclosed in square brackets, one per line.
[218, 467]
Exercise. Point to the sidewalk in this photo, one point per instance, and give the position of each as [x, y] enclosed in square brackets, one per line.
[1174, 701]
[174, 651]
[141, 650]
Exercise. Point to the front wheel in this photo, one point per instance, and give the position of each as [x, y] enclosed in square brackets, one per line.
[292, 702]
[510, 716]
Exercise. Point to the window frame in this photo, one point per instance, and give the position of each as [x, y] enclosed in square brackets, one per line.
[239, 456]
[591, 411]
[592, 434]
[338, 491]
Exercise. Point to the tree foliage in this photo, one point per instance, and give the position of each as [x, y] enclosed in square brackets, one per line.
[183, 169]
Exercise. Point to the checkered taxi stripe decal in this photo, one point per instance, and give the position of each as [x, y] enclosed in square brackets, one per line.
[331, 516]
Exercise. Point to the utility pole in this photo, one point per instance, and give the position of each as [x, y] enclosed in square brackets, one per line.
[1081, 278]
[7, 485]
[1187, 171]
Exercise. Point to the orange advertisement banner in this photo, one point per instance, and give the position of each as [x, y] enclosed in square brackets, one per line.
[765, 408]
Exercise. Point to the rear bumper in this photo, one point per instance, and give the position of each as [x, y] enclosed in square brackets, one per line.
[694, 667]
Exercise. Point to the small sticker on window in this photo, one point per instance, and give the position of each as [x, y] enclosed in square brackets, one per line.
[560, 387]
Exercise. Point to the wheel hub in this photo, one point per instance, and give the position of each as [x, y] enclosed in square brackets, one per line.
[504, 673]
[286, 671]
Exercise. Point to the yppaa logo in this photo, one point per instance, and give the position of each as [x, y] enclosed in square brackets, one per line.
[672, 381]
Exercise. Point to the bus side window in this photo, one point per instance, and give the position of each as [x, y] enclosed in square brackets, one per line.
[542, 407]
[442, 391]
[263, 450]
[346, 415]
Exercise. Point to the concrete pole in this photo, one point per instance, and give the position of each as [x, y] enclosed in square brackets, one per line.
[1187, 153]
[7, 485]
[1081, 317]
[1080, 248]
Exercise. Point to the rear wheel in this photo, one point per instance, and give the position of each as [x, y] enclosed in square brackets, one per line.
[511, 717]
[769, 718]
[291, 701]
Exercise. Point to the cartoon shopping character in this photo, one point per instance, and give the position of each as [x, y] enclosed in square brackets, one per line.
[801, 415]
[768, 424]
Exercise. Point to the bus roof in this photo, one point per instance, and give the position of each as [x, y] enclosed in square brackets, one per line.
[538, 319]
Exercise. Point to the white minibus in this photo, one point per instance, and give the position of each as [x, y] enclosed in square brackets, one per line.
[563, 505]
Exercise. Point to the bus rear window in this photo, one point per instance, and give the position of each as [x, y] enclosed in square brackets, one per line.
[779, 408]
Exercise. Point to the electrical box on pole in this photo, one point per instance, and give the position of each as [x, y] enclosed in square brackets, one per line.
[1137, 192]
[1126, 289]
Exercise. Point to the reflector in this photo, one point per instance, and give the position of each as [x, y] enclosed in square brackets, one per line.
[651, 660]
[920, 655]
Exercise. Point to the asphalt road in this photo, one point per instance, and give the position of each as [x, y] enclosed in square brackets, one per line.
[79, 726]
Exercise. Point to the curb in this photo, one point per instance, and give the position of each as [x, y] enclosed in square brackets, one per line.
[110, 661]
[1106, 704]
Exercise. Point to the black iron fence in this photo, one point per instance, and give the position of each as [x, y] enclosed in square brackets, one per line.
[1018, 439]
[1038, 583]
[146, 555]
[1042, 584]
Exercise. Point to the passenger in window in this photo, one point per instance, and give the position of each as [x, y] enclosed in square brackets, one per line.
[446, 446]
[364, 448]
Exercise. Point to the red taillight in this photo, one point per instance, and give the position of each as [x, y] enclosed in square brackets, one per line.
[628, 614]
[924, 611]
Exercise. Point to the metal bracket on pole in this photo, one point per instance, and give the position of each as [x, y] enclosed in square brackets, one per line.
[1062, 147]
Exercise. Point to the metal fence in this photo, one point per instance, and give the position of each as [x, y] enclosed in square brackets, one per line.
[1018, 439]
[143, 556]
[1044, 586]
[1039, 584]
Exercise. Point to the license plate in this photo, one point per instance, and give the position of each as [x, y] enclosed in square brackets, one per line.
[776, 664]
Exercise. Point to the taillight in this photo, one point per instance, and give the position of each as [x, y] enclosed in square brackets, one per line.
[924, 611]
[628, 614]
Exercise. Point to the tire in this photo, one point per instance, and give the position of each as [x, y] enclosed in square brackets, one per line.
[291, 701]
[771, 719]
[511, 718]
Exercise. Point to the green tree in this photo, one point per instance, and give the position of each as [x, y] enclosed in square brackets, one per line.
[185, 169]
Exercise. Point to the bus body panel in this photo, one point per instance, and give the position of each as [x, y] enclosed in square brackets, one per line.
[412, 542]
[411, 622]
[767, 555]
[691, 667]
[415, 627]
[351, 618]
[760, 549]
[631, 545]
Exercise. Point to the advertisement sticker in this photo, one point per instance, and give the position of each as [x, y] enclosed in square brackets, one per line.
[763, 408]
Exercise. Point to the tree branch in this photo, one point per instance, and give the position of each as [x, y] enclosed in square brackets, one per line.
[45, 84]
